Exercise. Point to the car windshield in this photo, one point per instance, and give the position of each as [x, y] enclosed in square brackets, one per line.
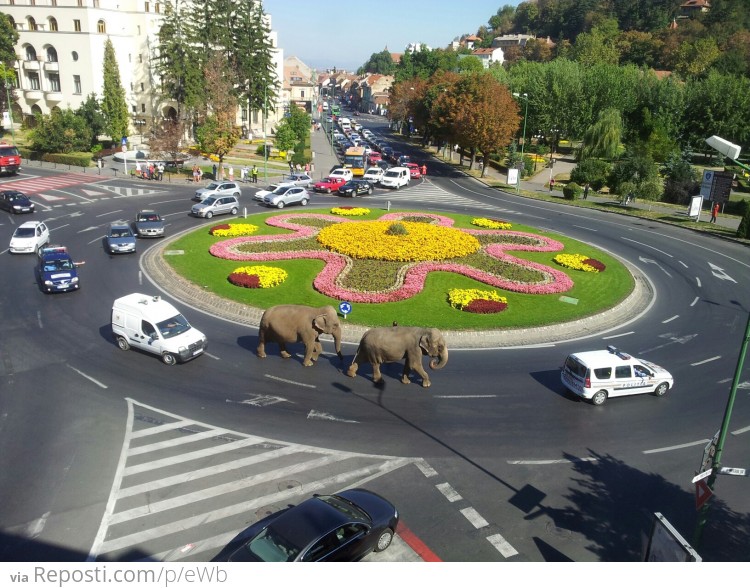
[57, 265]
[209, 201]
[270, 546]
[212, 186]
[24, 232]
[120, 232]
[148, 217]
[173, 327]
[350, 509]
[281, 189]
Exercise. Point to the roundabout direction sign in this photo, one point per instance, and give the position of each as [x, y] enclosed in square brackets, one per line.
[345, 308]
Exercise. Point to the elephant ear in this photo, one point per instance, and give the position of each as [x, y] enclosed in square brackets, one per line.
[320, 323]
[424, 344]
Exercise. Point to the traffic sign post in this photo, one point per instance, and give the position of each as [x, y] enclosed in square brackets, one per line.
[345, 308]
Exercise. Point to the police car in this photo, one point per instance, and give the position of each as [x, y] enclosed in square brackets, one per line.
[599, 375]
[57, 270]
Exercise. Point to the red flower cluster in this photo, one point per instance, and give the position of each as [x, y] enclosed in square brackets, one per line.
[245, 280]
[480, 306]
[218, 227]
[595, 263]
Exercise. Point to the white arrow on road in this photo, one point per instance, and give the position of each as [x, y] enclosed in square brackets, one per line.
[656, 263]
[672, 340]
[720, 273]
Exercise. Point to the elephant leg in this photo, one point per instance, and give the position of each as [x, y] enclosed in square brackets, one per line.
[310, 356]
[417, 367]
[261, 351]
[284, 353]
[317, 350]
[377, 377]
[405, 374]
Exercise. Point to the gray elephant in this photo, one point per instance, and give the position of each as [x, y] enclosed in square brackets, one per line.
[387, 344]
[290, 323]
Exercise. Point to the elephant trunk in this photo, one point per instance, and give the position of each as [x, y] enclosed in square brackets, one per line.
[442, 359]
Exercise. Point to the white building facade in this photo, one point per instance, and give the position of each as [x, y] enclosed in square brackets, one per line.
[61, 55]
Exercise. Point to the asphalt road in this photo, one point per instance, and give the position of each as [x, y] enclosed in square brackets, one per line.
[111, 455]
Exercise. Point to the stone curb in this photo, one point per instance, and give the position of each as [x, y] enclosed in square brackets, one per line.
[157, 270]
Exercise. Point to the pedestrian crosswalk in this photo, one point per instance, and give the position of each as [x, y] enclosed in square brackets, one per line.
[37, 184]
[184, 488]
[430, 193]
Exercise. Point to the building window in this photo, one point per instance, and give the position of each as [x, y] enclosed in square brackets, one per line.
[143, 108]
[96, 3]
[135, 109]
[51, 55]
[77, 25]
[52, 24]
[132, 86]
[139, 30]
[74, 55]
[77, 85]
[157, 8]
[54, 82]
[143, 87]
[140, 58]
[34, 81]
[80, 3]
[53, 3]
[31, 24]
[101, 27]
[146, 7]
[30, 53]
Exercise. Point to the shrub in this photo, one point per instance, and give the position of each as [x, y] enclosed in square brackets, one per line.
[743, 231]
[572, 191]
[592, 171]
[397, 229]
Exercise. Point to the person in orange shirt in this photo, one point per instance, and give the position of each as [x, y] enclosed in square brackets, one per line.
[714, 212]
[424, 169]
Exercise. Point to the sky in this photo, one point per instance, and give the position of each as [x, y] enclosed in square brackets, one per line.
[333, 33]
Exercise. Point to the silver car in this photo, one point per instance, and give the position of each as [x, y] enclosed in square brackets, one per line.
[218, 189]
[300, 179]
[216, 205]
[287, 195]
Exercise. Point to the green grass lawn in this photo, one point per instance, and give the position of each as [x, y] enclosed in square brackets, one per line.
[592, 293]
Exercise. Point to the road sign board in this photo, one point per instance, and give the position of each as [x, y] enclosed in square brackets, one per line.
[702, 493]
[708, 453]
[345, 308]
[702, 475]
[733, 471]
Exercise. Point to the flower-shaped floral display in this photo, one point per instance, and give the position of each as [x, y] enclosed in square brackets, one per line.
[257, 276]
[488, 263]
[580, 262]
[232, 230]
[477, 301]
[491, 223]
[350, 211]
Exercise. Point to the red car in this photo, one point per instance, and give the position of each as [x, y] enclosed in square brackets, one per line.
[329, 185]
[414, 171]
[374, 157]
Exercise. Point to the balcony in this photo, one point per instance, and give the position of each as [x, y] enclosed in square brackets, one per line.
[31, 65]
[51, 66]
[53, 97]
[32, 95]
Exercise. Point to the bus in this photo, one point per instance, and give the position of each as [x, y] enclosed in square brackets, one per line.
[335, 110]
[355, 159]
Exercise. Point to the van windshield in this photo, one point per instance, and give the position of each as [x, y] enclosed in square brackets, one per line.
[173, 326]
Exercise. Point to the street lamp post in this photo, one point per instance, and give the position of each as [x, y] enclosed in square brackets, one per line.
[265, 144]
[525, 96]
[8, 86]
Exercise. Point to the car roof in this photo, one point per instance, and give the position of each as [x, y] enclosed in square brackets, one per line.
[308, 521]
[600, 356]
[30, 224]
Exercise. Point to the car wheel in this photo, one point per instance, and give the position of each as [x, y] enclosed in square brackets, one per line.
[234, 210]
[280, 205]
[369, 192]
[168, 358]
[209, 214]
[384, 540]
[398, 186]
[304, 202]
[328, 190]
[122, 343]
[236, 194]
[599, 398]
[661, 389]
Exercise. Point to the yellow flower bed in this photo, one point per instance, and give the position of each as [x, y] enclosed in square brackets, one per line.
[233, 230]
[350, 211]
[489, 223]
[422, 242]
[268, 277]
[575, 261]
[459, 298]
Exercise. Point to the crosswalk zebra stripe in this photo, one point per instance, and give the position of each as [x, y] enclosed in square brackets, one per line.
[171, 443]
[160, 429]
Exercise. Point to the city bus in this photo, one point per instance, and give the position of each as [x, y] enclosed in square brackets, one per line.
[356, 160]
[335, 110]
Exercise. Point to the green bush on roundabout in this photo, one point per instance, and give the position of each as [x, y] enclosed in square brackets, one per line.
[518, 264]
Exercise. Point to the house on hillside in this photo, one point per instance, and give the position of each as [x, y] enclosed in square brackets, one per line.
[505, 41]
[468, 41]
[374, 93]
[298, 88]
[690, 8]
[489, 56]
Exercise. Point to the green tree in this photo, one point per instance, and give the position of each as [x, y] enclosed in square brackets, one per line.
[696, 57]
[743, 231]
[285, 138]
[637, 173]
[8, 40]
[300, 122]
[681, 179]
[602, 139]
[470, 64]
[591, 171]
[113, 105]
[62, 131]
[597, 46]
[91, 112]
[379, 63]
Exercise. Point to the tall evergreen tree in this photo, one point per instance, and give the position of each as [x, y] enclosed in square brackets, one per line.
[113, 105]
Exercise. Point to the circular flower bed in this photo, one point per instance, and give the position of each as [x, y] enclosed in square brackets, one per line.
[257, 276]
[374, 240]
[232, 230]
[491, 223]
[477, 301]
[350, 211]
[580, 262]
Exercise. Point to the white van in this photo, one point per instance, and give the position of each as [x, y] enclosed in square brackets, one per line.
[396, 177]
[154, 325]
[598, 375]
[345, 124]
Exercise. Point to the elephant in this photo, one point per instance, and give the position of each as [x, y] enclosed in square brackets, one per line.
[387, 344]
[289, 323]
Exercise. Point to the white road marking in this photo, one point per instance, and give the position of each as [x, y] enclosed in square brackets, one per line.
[674, 447]
[474, 517]
[649, 246]
[324, 416]
[695, 301]
[97, 382]
[499, 543]
[469, 396]
[720, 273]
[36, 527]
[619, 335]
[683, 264]
[39, 319]
[426, 468]
[269, 376]
[448, 491]
[549, 461]
[698, 282]
[212, 356]
[670, 319]
[714, 358]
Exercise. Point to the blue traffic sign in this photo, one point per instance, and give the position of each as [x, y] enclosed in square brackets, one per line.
[345, 308]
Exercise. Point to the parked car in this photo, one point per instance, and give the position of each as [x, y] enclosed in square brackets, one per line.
[15, 202]
[282, 197]
[260, 194]
[120, 238]
[414, 170]
[218, 189]
[300, 179]
[29, 237]
[355, 188]
[374, 174]
[148, 223]
[340, 527]
[602, 374]
[328, 184]
[216, 205]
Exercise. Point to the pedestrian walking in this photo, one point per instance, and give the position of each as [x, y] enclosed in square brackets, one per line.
[255, 174]
[243, 174]
[586, 191]
[291, 167]
[214, 170]
[307, 168]
[160, 170]
[424, 169]
[231, 174]
[714, 212]
[551, 184]
[195, 173]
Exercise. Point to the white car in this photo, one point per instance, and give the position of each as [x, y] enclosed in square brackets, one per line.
[29, 237]
[599, 375]
[374, 175]
[300, 179]
[342, 172]
[260, 194]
